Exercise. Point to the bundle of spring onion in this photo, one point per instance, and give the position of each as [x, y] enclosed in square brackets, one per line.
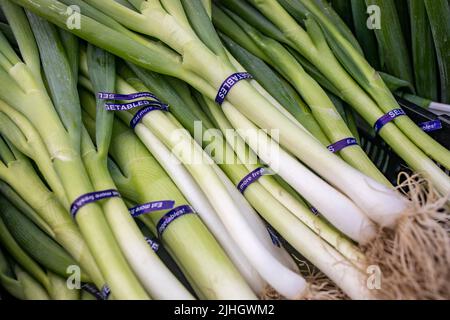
[226, 133]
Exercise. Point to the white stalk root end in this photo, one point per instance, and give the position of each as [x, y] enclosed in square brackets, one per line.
[414, 258]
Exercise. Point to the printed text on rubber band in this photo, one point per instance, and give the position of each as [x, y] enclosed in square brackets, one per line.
[342, 144]
[151, 207]
[251, 178]
[171, 216]
[133, 105]
[431, 126]
[90, 198]
[388, 117]
[144, 111]
[153, 243]
[126, 97]
[229, 83]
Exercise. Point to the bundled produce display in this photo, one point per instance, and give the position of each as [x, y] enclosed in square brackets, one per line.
[229, 149]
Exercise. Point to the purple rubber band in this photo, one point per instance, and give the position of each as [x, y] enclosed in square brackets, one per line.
[171, 216]
[90, 198]
[251, 178]
[315, 211]
[153, 243]
[388, 117]
[431, 126]
[229, 83]
[342, 144]
[106, 291]
[98, 294]
[151, 207]
[132, 105]
[275, 240]
[133, 96]
[92, 290]
[141, 113]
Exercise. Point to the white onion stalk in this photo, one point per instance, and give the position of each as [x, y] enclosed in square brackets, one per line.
[252, 218]
[266, 94]
[197, 198]
[245, 208]
[153, 275]
[197, 252]
[320, 227]
[343, 273]
[337, 208]
[201, 167]
[209, 284]
[288, 283]
[348, 277]
[380, 203]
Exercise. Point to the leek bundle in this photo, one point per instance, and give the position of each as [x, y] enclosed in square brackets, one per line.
[59, 129]
[136, 167]
[238, 111]
[259, 195]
